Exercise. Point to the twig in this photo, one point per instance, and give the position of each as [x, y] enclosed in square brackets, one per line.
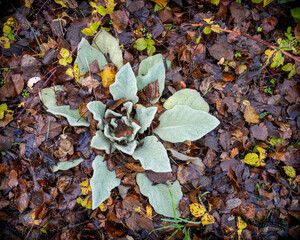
[248, 36]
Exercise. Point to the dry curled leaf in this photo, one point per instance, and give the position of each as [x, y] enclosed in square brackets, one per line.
[108, 74]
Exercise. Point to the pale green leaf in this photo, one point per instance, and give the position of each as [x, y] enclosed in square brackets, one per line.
[150, 70]
[187, 97]
[72, 116]
[86, 55]
[159, 195]
[99, 141]
[128, 149]
[107, 44]
[184, 123]
[145, 116]
[47, 95]
[152, 155]
[102, 182]
[124, 85]
[97, 108]
[66, 165]
[140, 44]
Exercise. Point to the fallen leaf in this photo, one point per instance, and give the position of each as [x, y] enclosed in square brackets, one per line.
[207, 219]
[250, 114]
[254, 160]
[90, 82]
[290, 171]
[120, 20]
[161, 3]
[260, 131]
[13, 179]
[152, 90]
[108, 74]
[197, 209]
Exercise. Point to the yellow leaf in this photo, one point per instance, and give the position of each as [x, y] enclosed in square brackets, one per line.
[6, 29]
[103, 207]
[253, 159]
[214, 29]
[216, 2]
[61, 3]
[149, 211]
[88, 32]
[11, 22]
[290, 171]
[28, 3]
[109, 201]
[85, 191]
[207, 219]
[266, 2]
[4, 42]
[79, 200]
[64, 53]
[197, 209]
[87, 203]
[69, 72]
[161, 3]
[250, 114]
[108, 74]
[241, 224]
[138, 209]
[85, 183]
[207, 30]
[76, 71]
[62, 62]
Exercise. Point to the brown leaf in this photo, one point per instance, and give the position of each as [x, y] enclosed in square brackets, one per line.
[5, 142]
[260, 131]
[248, 210]
[122, 130]
[23, 202]
[250, 114]
[94, 67]
[152, 90]
[187, 173]
[13, 179]
[120, 20]
[165, 16]
[228, 77]
[220, 50]
[90, 82]
[18, 82]
[159, 177]
[65, 147]
[137, 167]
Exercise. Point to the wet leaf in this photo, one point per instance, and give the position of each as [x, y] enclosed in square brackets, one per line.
[241, 224]
[4, 42]
[290, 171]
[108, 74]
[197, 209]
[207, 219]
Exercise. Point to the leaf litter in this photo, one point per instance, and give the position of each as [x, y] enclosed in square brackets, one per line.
[248, 165]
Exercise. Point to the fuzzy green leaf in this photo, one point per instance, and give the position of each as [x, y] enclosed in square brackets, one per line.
[145, 116]
[102, 182]
[47, 95]
[128, 149]
[66, 165]
[150, 70]
[124, 85]
[152, 155]
[159, 195]
[72, 116]
[187, 97]
[97, 108]
[99, 141]
[107, 44]
[184, 123]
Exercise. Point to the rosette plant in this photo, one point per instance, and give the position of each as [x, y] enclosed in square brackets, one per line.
[186, 118]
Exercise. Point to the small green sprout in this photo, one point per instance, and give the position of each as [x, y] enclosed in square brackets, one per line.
[272, 81]
[2, 81]
[263, 115]
[237, 54]
[259, 29]
[111, 22]
[143, 30]
[25, 93]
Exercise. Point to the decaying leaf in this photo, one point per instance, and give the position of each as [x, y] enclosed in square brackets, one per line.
[290, 171]
[207, 219]
[241, 224]
[108, 74]
[197, 209]
[250, 114]
[254, 160]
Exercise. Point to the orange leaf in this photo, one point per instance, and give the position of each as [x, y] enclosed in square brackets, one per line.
[108, 74]
[161, 3]
[250, 114]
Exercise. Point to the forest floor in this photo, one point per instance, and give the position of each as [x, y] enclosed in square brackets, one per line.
[246, 74]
